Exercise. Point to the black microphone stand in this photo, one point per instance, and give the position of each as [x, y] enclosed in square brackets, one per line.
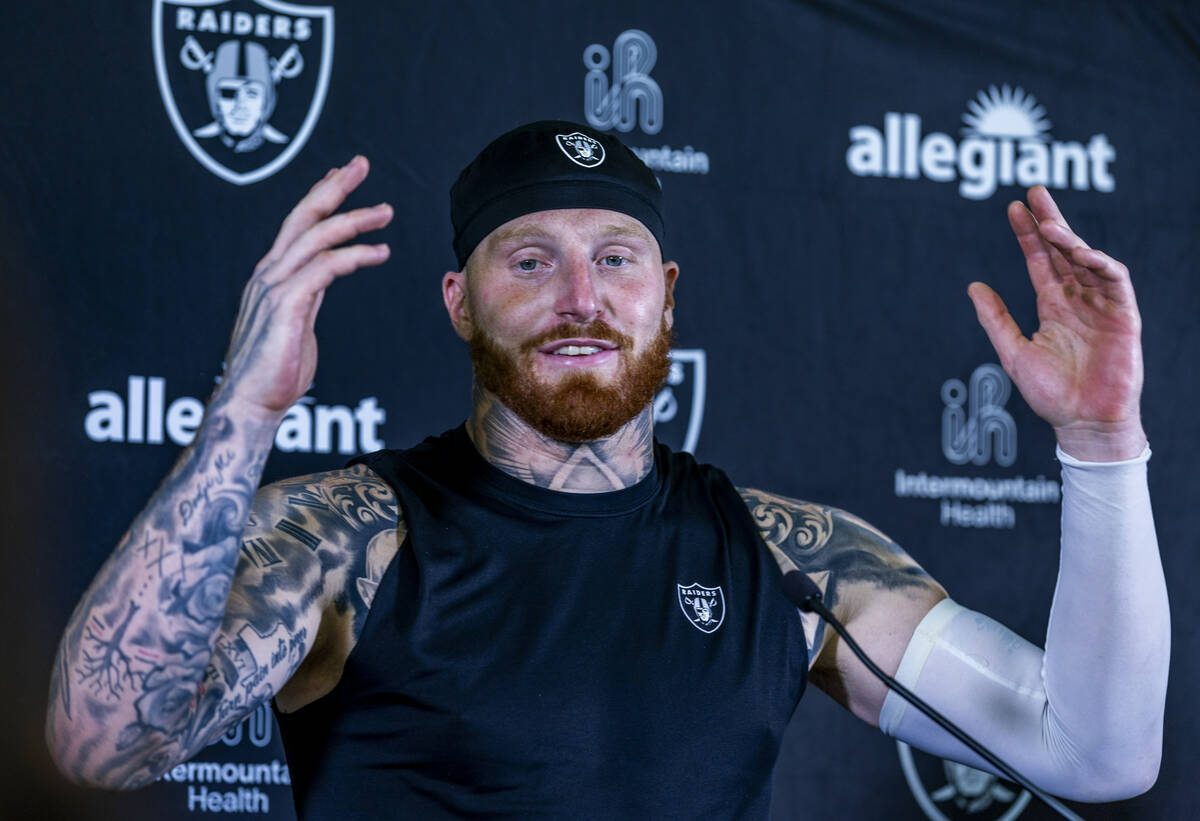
[807, 596]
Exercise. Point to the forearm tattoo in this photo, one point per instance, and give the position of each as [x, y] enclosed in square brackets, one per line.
[166, 650]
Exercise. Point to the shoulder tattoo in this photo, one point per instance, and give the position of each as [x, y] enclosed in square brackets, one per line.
[845, 556]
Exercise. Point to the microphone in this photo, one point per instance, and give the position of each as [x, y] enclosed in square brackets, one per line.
[801, 591]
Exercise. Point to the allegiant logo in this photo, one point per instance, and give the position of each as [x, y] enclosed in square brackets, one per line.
[1006, 141]
[144, 416]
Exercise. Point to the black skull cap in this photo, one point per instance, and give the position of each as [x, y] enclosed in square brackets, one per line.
[545, 166]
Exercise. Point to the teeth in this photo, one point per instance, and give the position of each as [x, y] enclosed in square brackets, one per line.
[576, 350]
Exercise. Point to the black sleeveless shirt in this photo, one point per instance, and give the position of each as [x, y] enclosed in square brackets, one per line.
[535, 654]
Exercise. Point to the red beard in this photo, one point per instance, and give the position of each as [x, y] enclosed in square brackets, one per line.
[578, 408]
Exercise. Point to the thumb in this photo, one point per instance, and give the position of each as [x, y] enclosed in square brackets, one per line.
[997, 322]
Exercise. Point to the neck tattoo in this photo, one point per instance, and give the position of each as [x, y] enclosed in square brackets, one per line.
[608, 464]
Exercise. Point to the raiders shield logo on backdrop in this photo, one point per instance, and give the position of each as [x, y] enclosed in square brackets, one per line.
[679, 404]
[581, 149]
[949, 791]
[703, 606]
[243, 81]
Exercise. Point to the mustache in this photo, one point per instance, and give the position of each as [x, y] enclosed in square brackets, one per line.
[596, 329]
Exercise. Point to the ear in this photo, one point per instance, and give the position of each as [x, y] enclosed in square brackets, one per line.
[454, 294]
[670, 274]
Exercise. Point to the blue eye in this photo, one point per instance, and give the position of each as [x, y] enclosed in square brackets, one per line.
[528, 265]
[614, 260]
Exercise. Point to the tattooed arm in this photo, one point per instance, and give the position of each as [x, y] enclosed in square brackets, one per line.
[868, 581]
[175, 643]
[156, 657]
[1083, 718]
[135, 649]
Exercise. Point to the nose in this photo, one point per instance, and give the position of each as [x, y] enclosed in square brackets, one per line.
[577, 299]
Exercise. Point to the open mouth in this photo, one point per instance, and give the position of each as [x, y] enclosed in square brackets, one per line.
[579, 351]
[577, 347]
[576, 350]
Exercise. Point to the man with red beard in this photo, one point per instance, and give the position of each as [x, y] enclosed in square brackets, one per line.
[566, 619]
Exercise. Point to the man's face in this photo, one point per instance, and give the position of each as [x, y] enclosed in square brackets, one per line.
[568, 313]
[241, 104]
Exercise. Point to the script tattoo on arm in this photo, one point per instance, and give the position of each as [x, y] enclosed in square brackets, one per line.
[206, 607]
[845, 556]
[133, 652]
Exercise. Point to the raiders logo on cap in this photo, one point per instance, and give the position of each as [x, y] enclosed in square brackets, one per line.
[581, 149]
[518, 173]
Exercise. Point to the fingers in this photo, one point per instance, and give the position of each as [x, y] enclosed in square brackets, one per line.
[328, 174]
[328, 233]
[312, 261]
[1001, 329]
[1045, 210]
[331, 263]
[1043, 272]
[1045, 237]
[1105, 276]
[321, 200]
[1099, 263]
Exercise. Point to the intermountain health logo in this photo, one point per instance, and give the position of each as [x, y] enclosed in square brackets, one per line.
[1005, 141]
[975, 426]
[244, 783]
[977, 429]
[630, 98]
[243, 81]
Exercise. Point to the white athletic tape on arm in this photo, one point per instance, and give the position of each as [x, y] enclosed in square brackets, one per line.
[1083, 719]
[924, 639]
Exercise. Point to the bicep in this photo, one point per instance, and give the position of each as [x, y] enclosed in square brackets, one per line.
[880, 594]
[271, 617]
[311, 556]
[873, 587]
[881, 618]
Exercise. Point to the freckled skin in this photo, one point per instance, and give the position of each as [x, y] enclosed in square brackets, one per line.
[573, 279]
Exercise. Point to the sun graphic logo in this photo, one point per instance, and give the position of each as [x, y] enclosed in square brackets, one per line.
[1006, 141]
[1006, 113]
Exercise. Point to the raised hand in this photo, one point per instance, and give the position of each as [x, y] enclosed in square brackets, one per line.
[137, 686]
[1081, 370]
[272, 354]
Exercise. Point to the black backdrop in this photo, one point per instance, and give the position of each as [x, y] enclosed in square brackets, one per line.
[835, 174]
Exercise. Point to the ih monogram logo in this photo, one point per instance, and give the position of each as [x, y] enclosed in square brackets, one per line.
[984, 428]
[633, 97]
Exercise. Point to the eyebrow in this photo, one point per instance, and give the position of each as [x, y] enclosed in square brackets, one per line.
[625, 232]
[522, 234]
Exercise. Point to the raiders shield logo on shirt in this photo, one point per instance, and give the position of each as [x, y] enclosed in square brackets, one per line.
[703, 606]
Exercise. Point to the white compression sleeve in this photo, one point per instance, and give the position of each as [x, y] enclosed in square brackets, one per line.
[1082, 719]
